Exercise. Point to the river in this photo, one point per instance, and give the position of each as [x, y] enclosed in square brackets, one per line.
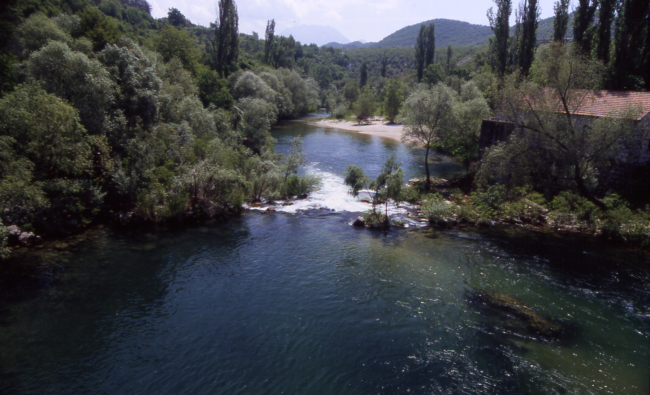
[303, 303]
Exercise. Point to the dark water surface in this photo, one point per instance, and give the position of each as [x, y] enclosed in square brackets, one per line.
[306, 304]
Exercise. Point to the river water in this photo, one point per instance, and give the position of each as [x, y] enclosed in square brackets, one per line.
[303, 303]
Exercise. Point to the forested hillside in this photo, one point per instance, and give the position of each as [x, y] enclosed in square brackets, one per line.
[451, 32]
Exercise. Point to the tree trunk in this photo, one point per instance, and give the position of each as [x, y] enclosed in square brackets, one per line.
[426, 167]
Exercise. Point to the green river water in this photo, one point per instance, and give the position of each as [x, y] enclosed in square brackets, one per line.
[303, 303]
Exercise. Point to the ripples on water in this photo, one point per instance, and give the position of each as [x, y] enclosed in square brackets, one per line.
[304, 303]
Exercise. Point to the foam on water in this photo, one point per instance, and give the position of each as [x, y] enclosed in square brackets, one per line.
[334, 195]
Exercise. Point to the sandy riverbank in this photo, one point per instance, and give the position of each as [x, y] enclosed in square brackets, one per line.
[374, 128]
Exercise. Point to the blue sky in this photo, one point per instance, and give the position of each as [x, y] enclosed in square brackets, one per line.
[369, 20]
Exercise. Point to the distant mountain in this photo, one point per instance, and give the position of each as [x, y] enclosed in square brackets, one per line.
[352, 45]
[314, 34]
[456, 33]
[448, 31]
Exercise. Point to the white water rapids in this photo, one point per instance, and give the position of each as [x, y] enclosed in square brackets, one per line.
[333, 195]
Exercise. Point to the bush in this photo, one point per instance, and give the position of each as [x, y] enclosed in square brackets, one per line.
[409, 194]
[4, 234]
[301, 185]
[489, 202]
[436, 209]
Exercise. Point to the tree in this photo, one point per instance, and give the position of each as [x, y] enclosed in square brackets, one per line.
[450, 53]
[295, 159]
[99, 28]
[363, 74]
[394, 99]
[176, 18]
[43, 138]
[364, 107]
[631, 26]
[83, 82]
[561, 20]
[500, 26]
[582, 24]
[257, 117]
[388, 184]
[384, 65]
[566, 149]
[356, 179]
[224, 49]
[37, 30]
[351, 91]
[425, 48]
[427, 114]
[213, 89]
[173, 43]
[269, 41]
[469, 110]
[604, 34]
[528, 41]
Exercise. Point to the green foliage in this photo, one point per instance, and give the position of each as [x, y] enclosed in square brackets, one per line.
[295, 159]
[528, 39]
[488, 202]
[213, 89]
[356, 179]
[224, 46]
[427, 115]
[425, 48]
[363, 79]
[364, 107]
[393, 101]
[173, 43]
[98, 27]
[436, 209]
[76, 78]
[4, 235]
[302, 185]
[409, 194]
[37, 30]
[176, 18]
[500, 25]
[52, 157]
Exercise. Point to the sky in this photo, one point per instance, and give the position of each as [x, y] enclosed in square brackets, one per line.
[369, 20]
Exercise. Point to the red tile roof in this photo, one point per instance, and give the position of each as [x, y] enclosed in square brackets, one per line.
[609, 103]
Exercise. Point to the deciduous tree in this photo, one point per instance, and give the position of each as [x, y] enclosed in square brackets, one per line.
[426, 115]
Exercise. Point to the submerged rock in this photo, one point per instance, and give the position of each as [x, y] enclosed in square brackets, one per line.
[360, 222]
[514, 316]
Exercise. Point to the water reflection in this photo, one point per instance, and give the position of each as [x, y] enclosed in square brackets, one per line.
[304, 303]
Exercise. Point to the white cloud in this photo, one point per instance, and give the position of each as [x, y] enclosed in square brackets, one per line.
[356, 19]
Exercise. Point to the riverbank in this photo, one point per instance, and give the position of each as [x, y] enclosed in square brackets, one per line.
[374, 128]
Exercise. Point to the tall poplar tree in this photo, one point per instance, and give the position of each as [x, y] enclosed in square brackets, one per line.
[582, 22]
[631, 25]
[604, 35]
[528, 41]
[500, 24]
[430, 46]
[269, 41]
[224, 49]
[425, 48]
[363, 77]
[561, 21]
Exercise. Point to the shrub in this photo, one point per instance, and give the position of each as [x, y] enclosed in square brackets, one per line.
[436, 209]
[4, 251]
[489, 202]
[301, 185]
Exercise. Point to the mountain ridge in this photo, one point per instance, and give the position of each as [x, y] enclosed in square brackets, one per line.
[449, 32]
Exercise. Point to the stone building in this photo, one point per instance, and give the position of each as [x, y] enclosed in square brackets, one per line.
[591, 105]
